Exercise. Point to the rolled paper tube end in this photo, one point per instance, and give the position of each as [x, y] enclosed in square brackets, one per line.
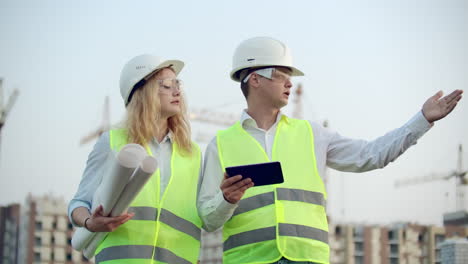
[131, 155]
[149, 165]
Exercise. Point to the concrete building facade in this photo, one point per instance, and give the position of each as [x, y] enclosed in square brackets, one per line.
[9, 233]
[47, 232]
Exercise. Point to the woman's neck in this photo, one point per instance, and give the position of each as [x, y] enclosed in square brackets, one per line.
[162, 129]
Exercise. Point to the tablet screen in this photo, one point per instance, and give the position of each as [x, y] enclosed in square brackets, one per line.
[260, 173]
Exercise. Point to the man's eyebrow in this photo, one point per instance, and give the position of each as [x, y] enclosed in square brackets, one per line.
[284, 70]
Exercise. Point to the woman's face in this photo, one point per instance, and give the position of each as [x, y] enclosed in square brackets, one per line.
[169, 92]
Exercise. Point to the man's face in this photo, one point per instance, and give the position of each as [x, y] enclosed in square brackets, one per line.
[277, 88]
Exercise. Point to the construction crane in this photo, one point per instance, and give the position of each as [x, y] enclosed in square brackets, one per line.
[105, 125]
[460, 180]
[297, 101]
[4, 110]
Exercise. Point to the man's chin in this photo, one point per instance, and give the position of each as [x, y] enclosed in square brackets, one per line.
[282, 103]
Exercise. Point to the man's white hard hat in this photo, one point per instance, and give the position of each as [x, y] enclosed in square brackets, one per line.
[141, 68]
[261, 52]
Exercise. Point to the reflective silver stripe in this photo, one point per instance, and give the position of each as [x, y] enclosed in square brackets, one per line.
[167, 256]
[170, 219]
[303, 231]
[143, 213]
[255, 202]
[249, 237]
[180, 224]
[125, 252]
[300, 195]
[269, 233]
[268, 198]
[139, 252]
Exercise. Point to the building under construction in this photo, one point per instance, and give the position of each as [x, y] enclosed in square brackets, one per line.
[38, 232]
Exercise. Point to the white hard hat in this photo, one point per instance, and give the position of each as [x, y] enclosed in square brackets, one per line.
[261, 52]
[142, 68]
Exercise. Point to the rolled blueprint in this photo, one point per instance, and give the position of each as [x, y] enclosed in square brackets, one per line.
[129, 157]
[141, 176]
[111, 186]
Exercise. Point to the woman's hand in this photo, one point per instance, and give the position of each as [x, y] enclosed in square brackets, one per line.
[99, 223]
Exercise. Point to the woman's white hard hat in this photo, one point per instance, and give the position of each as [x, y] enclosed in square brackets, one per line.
[141, 68]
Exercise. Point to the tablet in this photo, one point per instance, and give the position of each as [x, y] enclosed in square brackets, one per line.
[260, 173]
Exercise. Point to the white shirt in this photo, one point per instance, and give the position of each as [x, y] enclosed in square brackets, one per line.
[331, 149]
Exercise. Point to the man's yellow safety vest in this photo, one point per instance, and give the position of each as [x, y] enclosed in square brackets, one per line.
[165, 230]
[282, 220]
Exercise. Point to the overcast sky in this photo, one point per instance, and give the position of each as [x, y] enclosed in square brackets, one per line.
[369, 65]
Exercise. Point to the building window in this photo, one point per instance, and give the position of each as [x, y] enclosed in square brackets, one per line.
[359, 246]
[52, 242]
[394, 249]
[69, 256]
[393, 261]
[38, 226]
[54, 225]
[358, 260]
[338, 230]
[38, 241]
[439, 239]
[52, 256]
[37, 257]
[358, 232]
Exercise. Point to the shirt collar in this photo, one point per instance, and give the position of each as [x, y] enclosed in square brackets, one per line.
[167, 138]
[246, 120]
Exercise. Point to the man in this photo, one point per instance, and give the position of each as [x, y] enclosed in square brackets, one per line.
[286, 223]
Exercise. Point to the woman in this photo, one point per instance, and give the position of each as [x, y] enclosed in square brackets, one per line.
[162, 224]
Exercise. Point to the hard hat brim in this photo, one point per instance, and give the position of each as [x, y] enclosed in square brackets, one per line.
[236, 72]
[176, 65]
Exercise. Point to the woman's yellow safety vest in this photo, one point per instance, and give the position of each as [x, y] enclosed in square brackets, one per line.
[282, 220]
[165, 230]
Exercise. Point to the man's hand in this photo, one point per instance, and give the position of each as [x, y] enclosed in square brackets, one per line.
[233, 188]
[100, 223]
[436, 108]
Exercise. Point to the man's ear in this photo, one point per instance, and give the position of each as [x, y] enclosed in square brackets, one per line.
[254, 80]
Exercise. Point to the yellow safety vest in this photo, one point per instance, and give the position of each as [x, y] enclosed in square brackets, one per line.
[166, 230]
[272, 221]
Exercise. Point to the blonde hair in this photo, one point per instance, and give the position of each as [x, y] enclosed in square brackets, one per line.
[144, 112]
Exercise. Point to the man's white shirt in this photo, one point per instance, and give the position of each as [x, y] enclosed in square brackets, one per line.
[331, 149]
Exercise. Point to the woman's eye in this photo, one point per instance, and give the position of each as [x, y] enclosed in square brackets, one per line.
[166, 87]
